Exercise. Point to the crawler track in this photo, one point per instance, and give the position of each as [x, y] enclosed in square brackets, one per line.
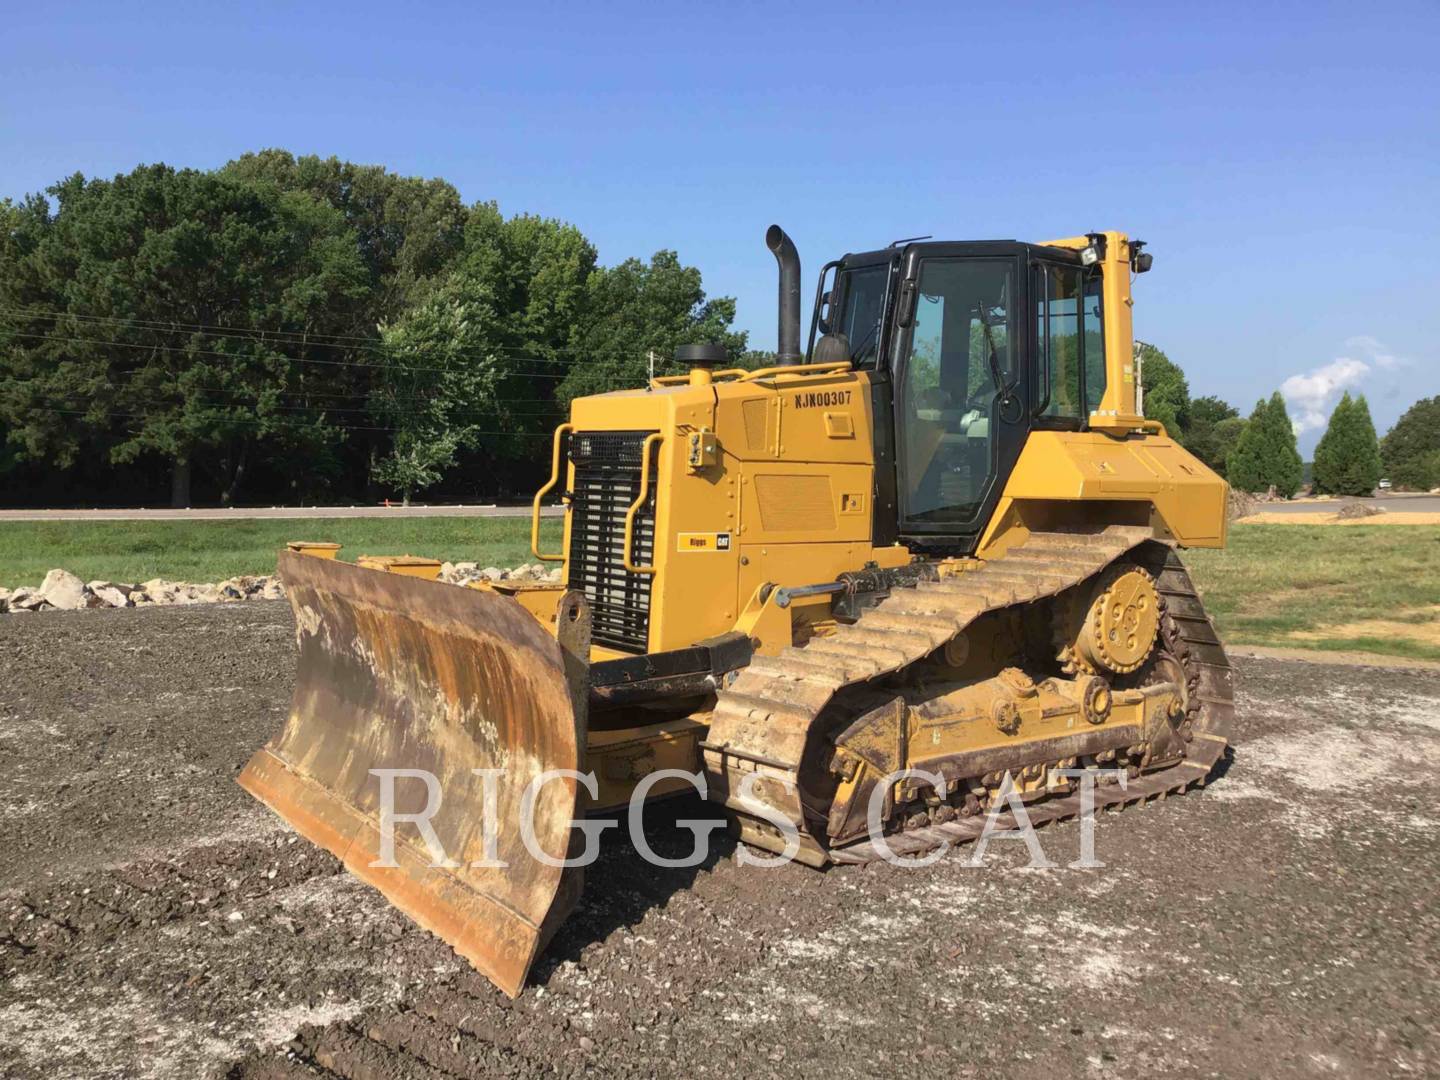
[768, 717]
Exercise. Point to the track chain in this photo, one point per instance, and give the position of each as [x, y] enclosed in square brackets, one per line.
[767, 713]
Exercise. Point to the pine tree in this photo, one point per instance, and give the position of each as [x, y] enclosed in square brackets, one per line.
[1328, 453]
[1366, 465]
[1286, 468]
[1243, 466]
[1347, 458]
[1265, 454]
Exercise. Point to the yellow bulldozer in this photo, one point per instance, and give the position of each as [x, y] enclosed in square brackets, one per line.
[867, 595]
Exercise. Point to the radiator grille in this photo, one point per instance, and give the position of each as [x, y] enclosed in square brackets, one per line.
[607, 481]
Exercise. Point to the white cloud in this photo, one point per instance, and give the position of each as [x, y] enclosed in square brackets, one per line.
[1380, 356]
[1313, 394]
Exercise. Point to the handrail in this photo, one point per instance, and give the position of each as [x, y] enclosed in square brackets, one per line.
[560, 433]
[744, 375]
[656, 438]
[681, 380]
[796, 369]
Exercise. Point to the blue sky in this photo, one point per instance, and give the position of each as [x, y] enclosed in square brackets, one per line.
[1282, 160]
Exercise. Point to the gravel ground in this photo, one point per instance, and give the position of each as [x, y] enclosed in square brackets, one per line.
[154, 921]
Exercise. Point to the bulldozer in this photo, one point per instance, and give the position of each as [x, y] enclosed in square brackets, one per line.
[867, 595]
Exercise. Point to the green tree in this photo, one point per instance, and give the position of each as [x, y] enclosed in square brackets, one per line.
[1411, 447]
[507, 307]
[169, 314]
[1223, 438]
[1347, 457]
[225, 325]
[409, 233]
[1166, 392]
[408, 230]
[41, 388]
[638, 308]
[536, 270]
[1211, 435]
[439, 391]
[1265, 454]
[1425, 472]
[498, 325]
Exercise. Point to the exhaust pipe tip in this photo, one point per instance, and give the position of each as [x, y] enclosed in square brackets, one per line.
[788, 259]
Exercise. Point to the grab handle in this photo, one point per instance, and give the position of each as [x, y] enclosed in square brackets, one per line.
[654, 439]
[560, 433]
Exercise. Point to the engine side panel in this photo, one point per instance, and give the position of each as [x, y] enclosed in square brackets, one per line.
[781, 490]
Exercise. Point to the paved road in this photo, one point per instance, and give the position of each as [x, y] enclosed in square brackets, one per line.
[1391, 504]
[247, 513]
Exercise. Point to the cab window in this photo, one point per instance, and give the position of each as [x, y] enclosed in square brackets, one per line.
[1061, 387]
[958, 362]
[862, 309]
[1094, 343]
[1069, 343]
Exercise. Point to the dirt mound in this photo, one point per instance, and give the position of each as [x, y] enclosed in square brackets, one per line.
[1241, 504]
[1354, 510]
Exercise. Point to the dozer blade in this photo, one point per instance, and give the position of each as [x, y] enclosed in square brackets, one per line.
[398, 672]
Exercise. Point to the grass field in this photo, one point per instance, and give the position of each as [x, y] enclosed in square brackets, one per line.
[135, 551]
[1364, 588]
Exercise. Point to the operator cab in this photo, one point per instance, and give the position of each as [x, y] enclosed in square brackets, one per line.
[971, 346]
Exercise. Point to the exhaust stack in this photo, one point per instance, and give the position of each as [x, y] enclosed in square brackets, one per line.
[783, 248]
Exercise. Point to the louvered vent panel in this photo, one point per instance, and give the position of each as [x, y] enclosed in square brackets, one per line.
[607, 481]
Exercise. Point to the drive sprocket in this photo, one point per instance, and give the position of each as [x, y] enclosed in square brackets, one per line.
[1109, 628]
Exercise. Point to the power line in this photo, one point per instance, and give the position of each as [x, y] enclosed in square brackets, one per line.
[258, 423]
[356, 395]
[326, 410]
[394, 368]
[290, 337]
[460, 416]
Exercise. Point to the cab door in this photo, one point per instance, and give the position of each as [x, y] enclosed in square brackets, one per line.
[961, 387]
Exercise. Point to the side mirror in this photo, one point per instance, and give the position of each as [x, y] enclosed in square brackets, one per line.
[827, 300]
[905, 305]
[827, 292]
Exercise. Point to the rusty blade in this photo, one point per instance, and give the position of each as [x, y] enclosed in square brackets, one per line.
[401, 673]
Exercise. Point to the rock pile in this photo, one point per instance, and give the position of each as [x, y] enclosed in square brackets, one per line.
[1357, 510]
[464, 573]
[63, 591]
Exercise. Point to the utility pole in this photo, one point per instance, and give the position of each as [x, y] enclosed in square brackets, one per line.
[650, 355]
